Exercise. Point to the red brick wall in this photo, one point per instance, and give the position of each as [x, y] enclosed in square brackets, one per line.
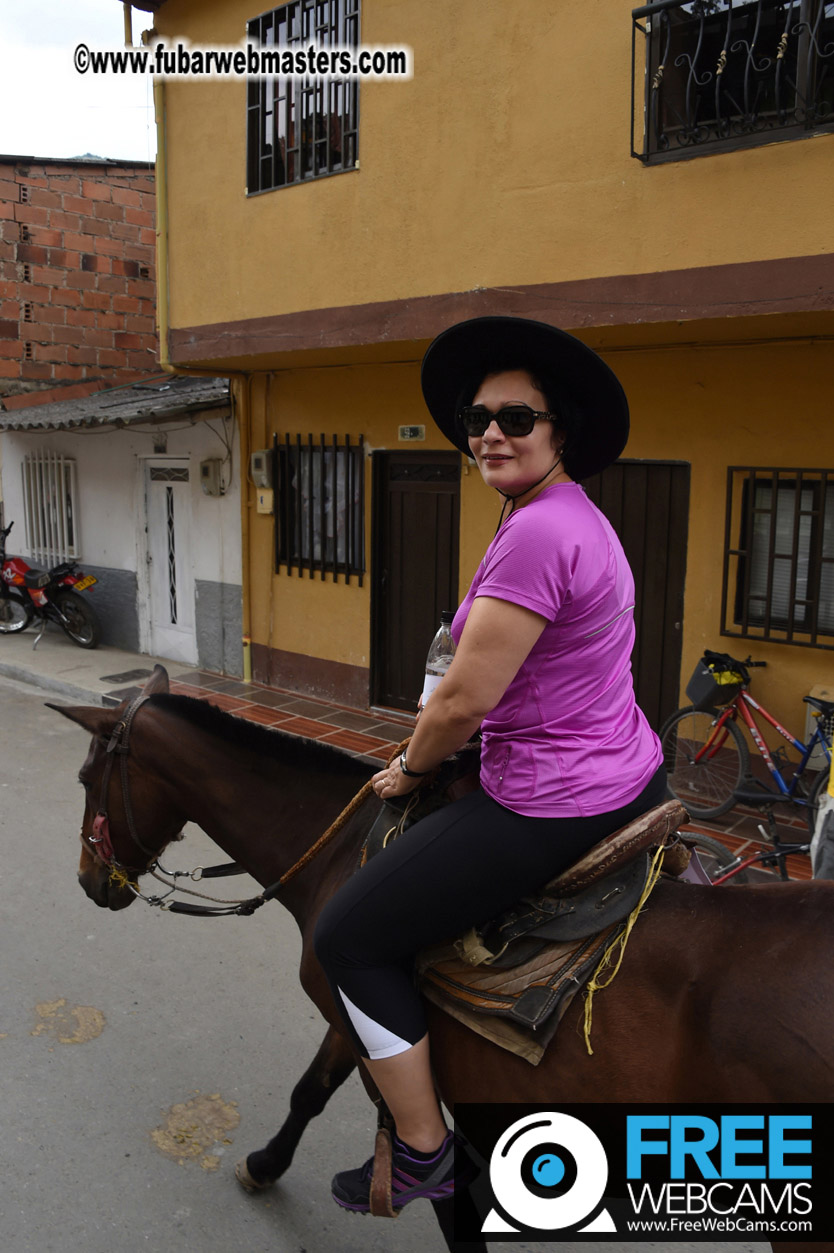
[77, 278]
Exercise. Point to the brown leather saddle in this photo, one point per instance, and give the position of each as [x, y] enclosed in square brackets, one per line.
[512, 978]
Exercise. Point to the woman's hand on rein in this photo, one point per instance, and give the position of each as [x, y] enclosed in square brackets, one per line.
[392, 782]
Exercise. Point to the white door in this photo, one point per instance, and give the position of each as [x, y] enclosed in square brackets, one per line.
[170, 576]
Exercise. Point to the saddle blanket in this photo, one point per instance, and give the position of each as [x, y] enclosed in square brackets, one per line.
[518, 1008]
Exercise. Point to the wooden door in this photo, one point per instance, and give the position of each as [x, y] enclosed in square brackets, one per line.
[415, 525]
[647, 503]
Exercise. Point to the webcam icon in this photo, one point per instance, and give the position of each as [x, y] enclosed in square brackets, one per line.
[548, 1172]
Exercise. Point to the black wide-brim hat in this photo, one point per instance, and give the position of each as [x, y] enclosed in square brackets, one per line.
[467, 352]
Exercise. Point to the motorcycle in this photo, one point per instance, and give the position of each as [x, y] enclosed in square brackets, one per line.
[27, 593]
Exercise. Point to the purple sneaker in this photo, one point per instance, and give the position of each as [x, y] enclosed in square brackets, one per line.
[434, 1178]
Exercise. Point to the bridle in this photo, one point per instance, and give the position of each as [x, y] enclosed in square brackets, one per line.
[100, 843]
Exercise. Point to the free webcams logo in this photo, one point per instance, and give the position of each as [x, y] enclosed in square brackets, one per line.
[548, 1171]
[679, 1171]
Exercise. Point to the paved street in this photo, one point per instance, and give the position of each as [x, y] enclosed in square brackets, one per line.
[141, 1053]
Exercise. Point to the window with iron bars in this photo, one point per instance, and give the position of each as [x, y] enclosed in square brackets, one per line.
[320, 506]
[302, 128]
[779, 579]
[49, 507]
[714, 75]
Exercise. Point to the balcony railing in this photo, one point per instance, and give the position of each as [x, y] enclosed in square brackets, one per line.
[715, 75]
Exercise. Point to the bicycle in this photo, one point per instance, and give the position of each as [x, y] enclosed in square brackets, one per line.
[706, 756]
[722, 866]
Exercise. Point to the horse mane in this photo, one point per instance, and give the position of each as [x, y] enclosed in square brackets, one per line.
[267, 742]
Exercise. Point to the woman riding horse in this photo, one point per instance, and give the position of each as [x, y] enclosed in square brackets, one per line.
[544, 639]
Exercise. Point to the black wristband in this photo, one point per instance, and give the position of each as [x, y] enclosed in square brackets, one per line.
[412, 774]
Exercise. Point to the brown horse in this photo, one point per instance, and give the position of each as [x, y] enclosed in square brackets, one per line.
[725, 995]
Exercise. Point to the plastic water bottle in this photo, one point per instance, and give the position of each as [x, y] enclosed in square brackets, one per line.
[440, 656]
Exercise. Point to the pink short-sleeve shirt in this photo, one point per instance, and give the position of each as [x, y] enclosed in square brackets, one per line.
[567, 736]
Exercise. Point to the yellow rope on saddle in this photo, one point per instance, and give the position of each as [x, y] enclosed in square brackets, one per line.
[597, 981]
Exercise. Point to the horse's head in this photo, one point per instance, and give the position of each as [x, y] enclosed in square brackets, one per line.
[127, 820]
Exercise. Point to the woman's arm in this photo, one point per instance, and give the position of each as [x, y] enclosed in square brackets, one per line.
[496, 640]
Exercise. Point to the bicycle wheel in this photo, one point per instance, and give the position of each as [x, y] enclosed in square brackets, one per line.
[705, 786]
[715, 857]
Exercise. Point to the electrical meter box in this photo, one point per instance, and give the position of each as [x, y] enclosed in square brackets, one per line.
[210, 479]
[260, 468]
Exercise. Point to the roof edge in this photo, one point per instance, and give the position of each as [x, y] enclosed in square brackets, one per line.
[17, 157]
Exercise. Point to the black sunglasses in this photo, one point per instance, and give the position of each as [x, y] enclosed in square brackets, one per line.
[512, 419]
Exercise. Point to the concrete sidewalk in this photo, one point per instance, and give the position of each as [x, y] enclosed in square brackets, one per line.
[86, 675]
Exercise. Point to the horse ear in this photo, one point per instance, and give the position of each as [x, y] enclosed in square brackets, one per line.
[92, 718]
[158, 682]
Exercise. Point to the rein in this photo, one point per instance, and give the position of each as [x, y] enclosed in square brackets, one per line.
[101, 844]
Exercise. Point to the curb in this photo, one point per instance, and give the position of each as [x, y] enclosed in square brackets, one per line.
[80, 695]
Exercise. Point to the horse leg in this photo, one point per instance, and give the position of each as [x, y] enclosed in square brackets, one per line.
[331, 1065]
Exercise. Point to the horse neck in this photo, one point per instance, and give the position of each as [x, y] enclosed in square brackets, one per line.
[264, 813]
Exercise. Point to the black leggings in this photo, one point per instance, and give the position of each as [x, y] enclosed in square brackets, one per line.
[457, 868]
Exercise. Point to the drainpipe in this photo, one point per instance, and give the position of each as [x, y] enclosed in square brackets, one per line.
[244, 397]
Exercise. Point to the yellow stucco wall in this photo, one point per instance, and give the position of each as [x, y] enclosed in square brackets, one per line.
[503, 162]
[711, 407]
[756, 405]
[317, 617]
